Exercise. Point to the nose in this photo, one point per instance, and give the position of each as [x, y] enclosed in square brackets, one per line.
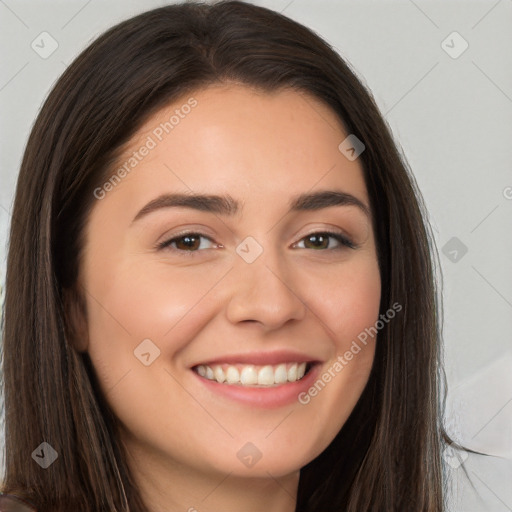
[265, 292]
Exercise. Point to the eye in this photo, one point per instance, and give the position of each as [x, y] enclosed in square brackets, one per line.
[185, 242]
[191, 242]
[319, 239]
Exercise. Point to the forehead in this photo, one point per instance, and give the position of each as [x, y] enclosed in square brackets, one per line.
[240, 138]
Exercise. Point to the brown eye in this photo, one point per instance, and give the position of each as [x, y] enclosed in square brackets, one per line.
[321, 240]
[185, 242]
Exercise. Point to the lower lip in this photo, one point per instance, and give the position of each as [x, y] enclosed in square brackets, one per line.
[265, 397]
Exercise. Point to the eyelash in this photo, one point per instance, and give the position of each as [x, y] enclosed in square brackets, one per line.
[344, 242]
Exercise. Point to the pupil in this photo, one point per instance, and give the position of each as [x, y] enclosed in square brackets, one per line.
[189, 241]
[317, 239]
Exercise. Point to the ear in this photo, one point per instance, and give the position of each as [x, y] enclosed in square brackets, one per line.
[75, 313]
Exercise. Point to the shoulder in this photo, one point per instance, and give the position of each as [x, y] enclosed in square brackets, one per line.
[12, 503]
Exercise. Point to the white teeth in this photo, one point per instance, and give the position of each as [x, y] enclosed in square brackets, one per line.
[249, 376]
[218, 372]
[232, 375]
[266, 376]
[252, 375]
[292, 372]
[280, 375]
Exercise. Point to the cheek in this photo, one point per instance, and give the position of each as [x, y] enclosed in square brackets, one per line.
[348, 307]
[348, 301]
[149, 300]
[132, 302]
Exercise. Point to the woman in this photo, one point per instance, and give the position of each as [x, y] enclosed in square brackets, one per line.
[290, 364]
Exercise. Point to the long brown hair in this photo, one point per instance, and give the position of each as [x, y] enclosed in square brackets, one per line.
[387, 457]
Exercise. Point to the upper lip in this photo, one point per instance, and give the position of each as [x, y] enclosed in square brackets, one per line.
[261, 358]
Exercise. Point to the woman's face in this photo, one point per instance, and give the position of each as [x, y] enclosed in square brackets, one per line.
[257, 291]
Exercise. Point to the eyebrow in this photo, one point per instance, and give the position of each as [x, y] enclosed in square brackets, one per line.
[226, 205]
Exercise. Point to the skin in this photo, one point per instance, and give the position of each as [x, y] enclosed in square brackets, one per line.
[181, 438]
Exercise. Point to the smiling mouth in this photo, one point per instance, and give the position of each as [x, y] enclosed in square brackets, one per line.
[254, 375]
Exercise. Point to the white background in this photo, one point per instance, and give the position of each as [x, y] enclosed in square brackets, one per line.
[451, 116]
